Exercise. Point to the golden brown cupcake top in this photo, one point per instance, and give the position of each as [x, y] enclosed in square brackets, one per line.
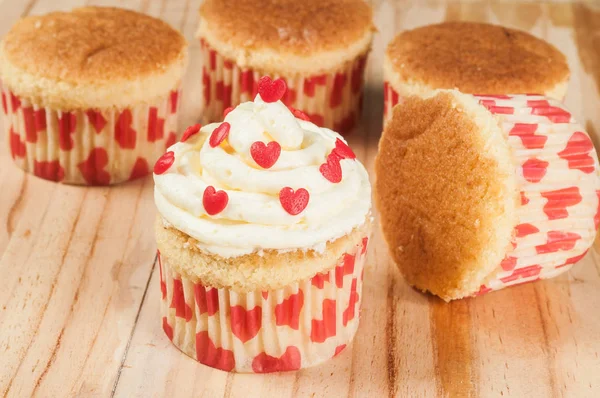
[92, 43]
[92, 57]
[293, 26]
[446, 193]
[477, 58]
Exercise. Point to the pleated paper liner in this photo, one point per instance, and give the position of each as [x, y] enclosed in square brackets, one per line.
[332, 100]
[300, 325]
[557, 172]
[89, 146]
[391, 98]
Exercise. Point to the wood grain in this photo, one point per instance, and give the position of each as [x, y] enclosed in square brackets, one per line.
[79, 302]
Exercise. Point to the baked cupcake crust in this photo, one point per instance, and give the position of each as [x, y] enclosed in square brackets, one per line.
[477, 58]
[92, 57]
[446, 193]
[269, 270]
[264, 34]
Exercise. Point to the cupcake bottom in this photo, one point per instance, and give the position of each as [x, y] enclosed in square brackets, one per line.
[88, 146]
[332, 99]
[555, 174]
[298, 326]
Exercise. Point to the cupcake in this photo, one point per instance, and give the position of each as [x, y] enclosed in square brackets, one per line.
[318, 47]
[474, 58]
[90, 96]
[262, 234]
[477, 193]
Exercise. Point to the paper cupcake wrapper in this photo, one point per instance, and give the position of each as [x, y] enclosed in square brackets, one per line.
[391, 98]
[557, 174]
[332, 100]
[89, 146]
[295, 327]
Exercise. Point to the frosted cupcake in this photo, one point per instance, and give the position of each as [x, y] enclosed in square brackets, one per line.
[262, 233]
[90, 96]
[474, 58]
[319, 47]
[479, 193]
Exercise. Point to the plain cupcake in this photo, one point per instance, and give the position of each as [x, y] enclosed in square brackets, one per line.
[477, 193]
[262, 232]
[319, 47]
[474, 58]
[90, 96]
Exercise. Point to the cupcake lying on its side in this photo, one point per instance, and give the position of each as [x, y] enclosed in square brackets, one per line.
[90, 96]
[477, 193]
[319, 47]
[473, 58]
[262, 233]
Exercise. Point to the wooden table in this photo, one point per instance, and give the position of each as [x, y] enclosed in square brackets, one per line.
[79, 295]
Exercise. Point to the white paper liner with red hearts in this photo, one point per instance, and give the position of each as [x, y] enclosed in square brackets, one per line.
[89, 146]
[332, 100]
[391, 98]
[301, 325]
[557, 174]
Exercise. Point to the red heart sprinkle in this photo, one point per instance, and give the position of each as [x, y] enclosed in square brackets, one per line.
[190, 131]
[293, 202]
[219, 134]
[271, 90]
[265, 155]
[332, 170]
[226, 111]
[299, 114]
[164, 162]
[342, 150]
[214, 201]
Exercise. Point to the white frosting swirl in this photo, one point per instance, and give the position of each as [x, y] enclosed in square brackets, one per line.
[254, 218]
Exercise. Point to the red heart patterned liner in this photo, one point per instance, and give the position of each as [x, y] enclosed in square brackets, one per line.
[332, 100]
[93, 146]
[243, 332]
[560, 195]
[556, 174]
[391, 98]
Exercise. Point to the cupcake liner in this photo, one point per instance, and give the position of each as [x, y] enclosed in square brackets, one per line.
[300, 325]
[332, 100]
[88, 146]
[391, 98]
[557, 174]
